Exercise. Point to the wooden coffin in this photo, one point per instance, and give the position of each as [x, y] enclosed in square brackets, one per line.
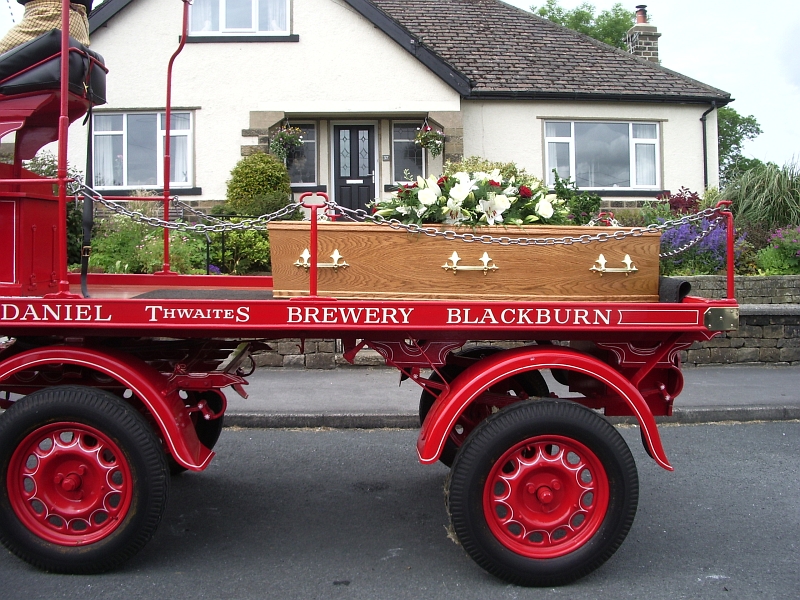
[382, 262]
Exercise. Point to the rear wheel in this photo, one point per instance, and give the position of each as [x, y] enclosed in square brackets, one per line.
[543, 493]
[529, 384]
[83, 480]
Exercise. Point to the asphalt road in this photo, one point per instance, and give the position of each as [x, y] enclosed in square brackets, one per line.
[352, 514]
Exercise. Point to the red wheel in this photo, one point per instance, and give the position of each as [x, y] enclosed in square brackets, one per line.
[543, 492]
[529, 384]
[546, 496]
[69, 484]
[83, 480]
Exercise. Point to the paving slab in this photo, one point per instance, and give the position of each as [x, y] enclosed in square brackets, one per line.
[371, 397]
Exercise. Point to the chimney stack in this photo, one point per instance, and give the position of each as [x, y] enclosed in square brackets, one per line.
[642, 38]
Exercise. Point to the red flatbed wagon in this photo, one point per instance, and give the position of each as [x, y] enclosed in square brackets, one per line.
[105, 393]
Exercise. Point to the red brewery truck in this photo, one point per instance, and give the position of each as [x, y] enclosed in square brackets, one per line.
[111, 382]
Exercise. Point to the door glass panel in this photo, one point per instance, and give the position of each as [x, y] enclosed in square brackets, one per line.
[344, 153]
[142, 149]
[363, 153]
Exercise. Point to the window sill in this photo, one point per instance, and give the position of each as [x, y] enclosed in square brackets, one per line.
[233, 39]
[644, 193]
[131, 192]
[299, 188]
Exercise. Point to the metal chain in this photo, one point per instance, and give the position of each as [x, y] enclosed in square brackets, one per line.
[256, 223]
[361, 215]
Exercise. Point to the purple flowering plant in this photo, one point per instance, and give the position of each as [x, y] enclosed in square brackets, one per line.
[781, 256]
[706, 257]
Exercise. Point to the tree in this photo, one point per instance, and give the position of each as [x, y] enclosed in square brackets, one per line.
[733, 131]
[610, 26]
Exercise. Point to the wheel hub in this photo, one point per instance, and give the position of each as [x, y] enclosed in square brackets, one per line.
[546, 496]
[69, 484]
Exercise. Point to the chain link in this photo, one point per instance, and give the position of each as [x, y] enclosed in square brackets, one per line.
[712, 214]
[360, 215]
[217, 226]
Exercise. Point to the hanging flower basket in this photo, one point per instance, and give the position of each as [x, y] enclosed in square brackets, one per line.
[431, 139]
[284, 140]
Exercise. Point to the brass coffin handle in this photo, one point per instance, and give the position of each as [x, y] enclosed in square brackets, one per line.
[338, 261]
[602, 268]
[455, 267]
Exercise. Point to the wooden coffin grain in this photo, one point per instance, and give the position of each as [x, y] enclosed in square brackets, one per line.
[388, 263]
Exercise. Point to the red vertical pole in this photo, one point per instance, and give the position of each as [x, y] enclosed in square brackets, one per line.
[726, 206]
[313, 242]
[165, 270]
[61, 172]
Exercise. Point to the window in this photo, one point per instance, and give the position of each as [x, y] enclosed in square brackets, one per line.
[239, 17]
[302, 162]
[129, 150]
[408, 155]
[597, 154]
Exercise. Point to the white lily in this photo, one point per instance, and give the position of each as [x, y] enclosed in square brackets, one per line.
[494, 208]
[454, 212]
[544, 208]
[427, 196]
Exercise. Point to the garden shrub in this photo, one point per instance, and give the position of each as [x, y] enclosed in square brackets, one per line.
[259, 184]
[122, 245]
[767, 195]
[782, 254]
[476, 164]
[582, 207]
[246, 251]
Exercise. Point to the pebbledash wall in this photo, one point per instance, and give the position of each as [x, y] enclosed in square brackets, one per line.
[769, 330]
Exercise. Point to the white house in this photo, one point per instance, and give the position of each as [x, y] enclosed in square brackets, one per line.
[359, 77]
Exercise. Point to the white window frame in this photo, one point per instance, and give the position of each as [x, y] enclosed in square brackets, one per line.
[655, 142]
[415, 125]
[238, 31]
[160, 141]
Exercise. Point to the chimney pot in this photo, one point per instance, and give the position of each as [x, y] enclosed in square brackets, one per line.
[641, 13]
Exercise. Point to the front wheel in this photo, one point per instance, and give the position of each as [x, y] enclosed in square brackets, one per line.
[83, 480]
[543, 493]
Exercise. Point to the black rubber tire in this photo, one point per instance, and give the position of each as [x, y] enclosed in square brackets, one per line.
[142, 450]
[503, 431]
[531, 382]
[208, 432]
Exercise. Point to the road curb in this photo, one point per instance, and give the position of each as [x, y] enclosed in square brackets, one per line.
[681, 416]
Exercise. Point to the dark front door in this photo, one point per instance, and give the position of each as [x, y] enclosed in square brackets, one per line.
[354, 164]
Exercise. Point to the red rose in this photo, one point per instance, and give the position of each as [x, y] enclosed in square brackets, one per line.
[525, 191]
[495, 183]
[442, 180]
